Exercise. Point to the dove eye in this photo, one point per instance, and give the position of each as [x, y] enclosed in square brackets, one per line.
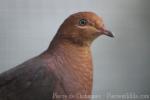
[83, 22]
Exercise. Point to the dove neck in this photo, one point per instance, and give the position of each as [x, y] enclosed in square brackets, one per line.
[77, 42]
[65, 48]
[68, 48]
[66, 45]
[74, 62]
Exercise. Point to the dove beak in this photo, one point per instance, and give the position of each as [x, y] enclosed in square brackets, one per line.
[108, 33]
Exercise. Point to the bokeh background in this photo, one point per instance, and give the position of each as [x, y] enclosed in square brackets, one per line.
[120, 64]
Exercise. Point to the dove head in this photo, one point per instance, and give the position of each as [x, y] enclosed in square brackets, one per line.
[82, 28]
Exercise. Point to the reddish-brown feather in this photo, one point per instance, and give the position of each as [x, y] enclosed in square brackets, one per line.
[63, 70]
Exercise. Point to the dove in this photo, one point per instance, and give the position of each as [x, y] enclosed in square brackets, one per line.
[64, 71]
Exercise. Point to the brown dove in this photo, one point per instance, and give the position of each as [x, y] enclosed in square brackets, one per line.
[62, 72]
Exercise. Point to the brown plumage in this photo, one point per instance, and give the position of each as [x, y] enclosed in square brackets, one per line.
[64, 71]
